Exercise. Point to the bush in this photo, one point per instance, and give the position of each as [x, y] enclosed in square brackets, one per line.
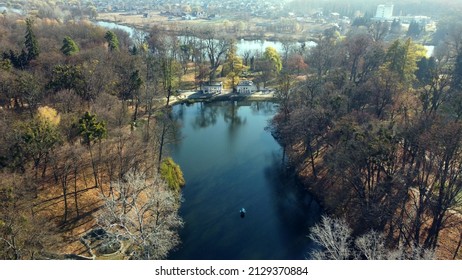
[171, 173]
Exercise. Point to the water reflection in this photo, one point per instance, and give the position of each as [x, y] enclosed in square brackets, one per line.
[207, 116]
[230, 162]
[233, 119]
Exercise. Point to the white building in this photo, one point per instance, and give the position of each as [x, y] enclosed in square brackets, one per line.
[246, 87]
[384, 11]
[212, 87]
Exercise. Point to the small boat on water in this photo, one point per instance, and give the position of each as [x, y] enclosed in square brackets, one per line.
[243, 212]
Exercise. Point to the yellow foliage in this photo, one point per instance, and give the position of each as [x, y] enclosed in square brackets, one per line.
[419, 50]
[49, 115]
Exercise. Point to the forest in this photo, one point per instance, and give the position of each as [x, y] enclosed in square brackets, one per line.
[372, 127]
[83, 126]
[374, 131]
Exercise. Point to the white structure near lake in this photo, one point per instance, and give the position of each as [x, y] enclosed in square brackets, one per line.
[246, 87]
[212, 87]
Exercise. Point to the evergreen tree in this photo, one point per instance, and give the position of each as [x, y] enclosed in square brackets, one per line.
[402, 57]
[426, 68]
[113, 42]
[414, 29]
[457, 73]
[395, 26]
[90, 129]
[69, 46]
[31, 41]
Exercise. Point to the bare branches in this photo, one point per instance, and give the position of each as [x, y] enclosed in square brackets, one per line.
[142, 214]
[334, 236]
[337, 243]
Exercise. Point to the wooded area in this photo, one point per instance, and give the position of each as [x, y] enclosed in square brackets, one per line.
[83, 130]
[373, 128]
[374, 131]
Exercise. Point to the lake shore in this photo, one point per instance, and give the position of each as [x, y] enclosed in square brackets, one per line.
[193, 97]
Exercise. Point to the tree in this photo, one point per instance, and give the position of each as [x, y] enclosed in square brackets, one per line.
[457, 73]
[216, 48]
[22, 59]
[378, 30]
[321, 57]
[112, 41]
[402, 59]
[233, 66]
[270, 65]
[29, 90]
[296, 64]
[39, 136]
[91, 130]
[87, 80]
[274, 58]
[66, 77]
[23, 235]
[69, 47]
[395, 26]
[337, 243]
[334, 236]
[31, 42]
[426, 70]
[171, 173]
[129, 88]
[414, 29]
[287, 45]
[357, 46]
[142, 214]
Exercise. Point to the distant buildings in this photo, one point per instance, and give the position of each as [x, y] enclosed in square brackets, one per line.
[384, 12]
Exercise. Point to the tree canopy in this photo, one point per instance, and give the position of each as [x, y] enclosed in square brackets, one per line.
[69, 47]
[112, 41]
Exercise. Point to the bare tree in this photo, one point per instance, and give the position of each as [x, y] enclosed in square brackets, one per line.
[216, 48]
[142, 215]
[334, 236]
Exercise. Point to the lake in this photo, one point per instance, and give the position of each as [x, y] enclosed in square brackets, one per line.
[230, 161]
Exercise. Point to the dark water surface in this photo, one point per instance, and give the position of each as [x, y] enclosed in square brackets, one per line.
[229, 161]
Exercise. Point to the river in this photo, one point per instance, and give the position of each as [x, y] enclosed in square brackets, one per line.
[229, 161]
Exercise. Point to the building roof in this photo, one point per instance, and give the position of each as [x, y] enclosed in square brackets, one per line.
[212, 84]
[245, 83]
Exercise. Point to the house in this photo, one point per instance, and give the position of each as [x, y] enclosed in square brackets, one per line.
[246, 87]
[212, 87]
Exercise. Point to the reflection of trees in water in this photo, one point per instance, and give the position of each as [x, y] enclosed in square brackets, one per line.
[231, 117]
[168, 129]
[178, 112]
[263, 107]
[209, 112]
[207, 116]
[292, 201]
[178, 115]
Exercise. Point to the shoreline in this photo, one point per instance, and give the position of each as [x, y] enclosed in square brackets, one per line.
[199, 97]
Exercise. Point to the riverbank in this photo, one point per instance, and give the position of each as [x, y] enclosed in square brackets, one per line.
[193, 97]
